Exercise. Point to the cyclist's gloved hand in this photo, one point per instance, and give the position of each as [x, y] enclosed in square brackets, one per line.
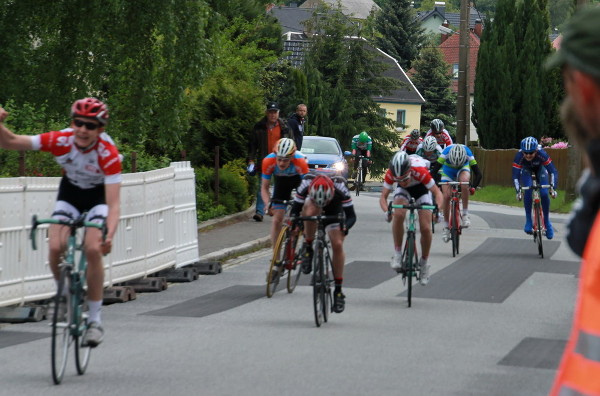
[472, 190]
[553, 193]
[519, 196]
[387, 216]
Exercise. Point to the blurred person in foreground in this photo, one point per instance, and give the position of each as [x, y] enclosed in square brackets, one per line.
[579, 58]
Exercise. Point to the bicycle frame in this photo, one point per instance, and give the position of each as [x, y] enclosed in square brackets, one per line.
[454, 221]
[322, 268]
[539, 223]
[358, 180]
[73, 276]
[410, 254]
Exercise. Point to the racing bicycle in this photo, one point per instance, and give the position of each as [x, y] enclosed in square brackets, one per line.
[539, 224]
[410, 257]
[286, 254]
[454, 221]
[69, 321]
[322, 274]
[359, 179]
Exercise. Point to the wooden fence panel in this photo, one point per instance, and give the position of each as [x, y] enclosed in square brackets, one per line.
[496, 165]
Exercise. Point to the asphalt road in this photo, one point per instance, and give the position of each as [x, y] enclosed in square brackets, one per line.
[492, 321]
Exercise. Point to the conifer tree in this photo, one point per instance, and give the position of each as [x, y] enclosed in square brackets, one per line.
[399, 32]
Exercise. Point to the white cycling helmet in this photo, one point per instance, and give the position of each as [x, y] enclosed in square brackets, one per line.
[285, 147]
[430, 143]
[400, 163]
[457, 155]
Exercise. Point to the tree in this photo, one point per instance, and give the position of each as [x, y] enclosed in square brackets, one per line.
[399, 32]
[433, 79]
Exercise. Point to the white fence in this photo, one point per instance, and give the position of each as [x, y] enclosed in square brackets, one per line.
[157, 230]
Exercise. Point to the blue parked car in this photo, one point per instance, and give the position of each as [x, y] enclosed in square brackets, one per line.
[325, 153]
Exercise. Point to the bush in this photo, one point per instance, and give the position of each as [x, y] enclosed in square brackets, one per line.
[233, 190]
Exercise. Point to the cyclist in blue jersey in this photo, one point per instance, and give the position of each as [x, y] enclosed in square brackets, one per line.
[456, 162]
[531, 159]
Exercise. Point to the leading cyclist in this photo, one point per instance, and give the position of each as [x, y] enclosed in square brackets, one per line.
[411, 172]
[287, 165]
[91, 183]
[531, 160]
[321, 194]
[456, 162]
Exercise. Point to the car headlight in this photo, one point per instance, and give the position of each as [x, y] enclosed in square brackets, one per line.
[339, 166]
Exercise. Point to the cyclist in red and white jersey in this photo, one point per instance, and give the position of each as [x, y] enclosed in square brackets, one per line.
[411, 173]
[411, 142]
[91, 183]
[440, 133]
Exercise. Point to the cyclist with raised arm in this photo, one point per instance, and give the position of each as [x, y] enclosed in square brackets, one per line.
[287, 166]
[362, 145]
[441, 135]
[532, 160]
[91, 183]
[431, 151]
[456, 162]
[411, 142]
[321, 194]
[411, 173]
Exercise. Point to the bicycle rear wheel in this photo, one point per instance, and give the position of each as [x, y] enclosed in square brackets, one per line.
[61, 325]
[538, 231]
[318, 287]
[277, 261]
[293, 251]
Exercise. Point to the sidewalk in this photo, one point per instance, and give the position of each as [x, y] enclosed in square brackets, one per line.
[237, 234]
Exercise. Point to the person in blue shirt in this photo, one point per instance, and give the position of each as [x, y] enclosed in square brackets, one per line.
[529, 160]
[456, 163]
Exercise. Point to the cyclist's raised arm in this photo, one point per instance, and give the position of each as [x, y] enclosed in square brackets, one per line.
[11, 141]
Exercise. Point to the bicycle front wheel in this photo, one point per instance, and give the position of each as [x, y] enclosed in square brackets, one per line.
[61, 325]
[359, 180]
[277, 261]
[293, 252]
[539, 219]
[82, 353]
[455, 230]
[409, 264]
[318, 287]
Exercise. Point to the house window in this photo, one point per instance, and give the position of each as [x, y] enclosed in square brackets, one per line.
[400, 117]
[455, 71]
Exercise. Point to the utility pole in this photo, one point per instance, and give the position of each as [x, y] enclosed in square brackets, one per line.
[462, 105]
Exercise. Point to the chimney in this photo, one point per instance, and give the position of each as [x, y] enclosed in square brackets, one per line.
[445, 35]
[440, 6]
[478, 29]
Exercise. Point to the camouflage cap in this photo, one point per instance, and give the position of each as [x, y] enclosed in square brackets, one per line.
[580, 45]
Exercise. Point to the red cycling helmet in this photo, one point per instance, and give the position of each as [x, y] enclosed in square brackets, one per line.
[321, 190]
[90, 108]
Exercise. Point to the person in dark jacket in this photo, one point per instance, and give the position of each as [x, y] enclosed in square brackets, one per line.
[265, 134]
[296, 123]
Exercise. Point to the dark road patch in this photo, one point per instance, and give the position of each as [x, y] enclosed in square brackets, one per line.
[10, 338]
[535, 353]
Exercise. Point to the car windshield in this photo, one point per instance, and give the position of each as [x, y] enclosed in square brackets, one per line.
[318, 146]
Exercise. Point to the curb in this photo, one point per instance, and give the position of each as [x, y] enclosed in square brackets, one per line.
[224, 220]
[244, 248]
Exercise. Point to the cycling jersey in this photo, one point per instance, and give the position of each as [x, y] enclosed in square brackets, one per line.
[100, 164]
[419, 174]
[357, 144]
[431, 156]
[298, 166]
[522, 166]
[410, 145]
[443, 138]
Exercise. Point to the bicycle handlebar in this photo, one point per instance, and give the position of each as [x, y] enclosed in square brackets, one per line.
[319, 218]
[454, 183]
[537, 187]
[71, 223]
[415, 207]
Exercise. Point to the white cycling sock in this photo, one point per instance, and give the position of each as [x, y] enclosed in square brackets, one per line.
[94, 312]
[465, 212]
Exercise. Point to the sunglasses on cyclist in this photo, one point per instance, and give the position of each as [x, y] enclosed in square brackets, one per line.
[404, 178]
[530, 153]
[89, 125]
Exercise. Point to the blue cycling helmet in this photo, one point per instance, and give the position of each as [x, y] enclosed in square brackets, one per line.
[529, 144]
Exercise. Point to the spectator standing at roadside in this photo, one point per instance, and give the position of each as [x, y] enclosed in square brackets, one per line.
[579, 57]
[265, 134]
[296, 124]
